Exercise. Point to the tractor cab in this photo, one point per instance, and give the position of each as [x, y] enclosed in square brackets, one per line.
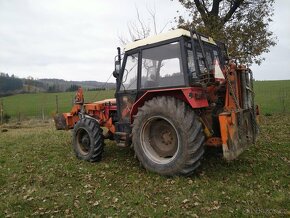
[172, 60]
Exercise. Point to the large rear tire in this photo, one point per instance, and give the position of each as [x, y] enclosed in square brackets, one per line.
[88, 141]
[168, 137]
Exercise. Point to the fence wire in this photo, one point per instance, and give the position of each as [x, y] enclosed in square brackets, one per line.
[272, 97]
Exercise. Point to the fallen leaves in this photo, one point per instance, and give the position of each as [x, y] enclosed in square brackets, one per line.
[185, 201]
[115, 200]
[59, 185]
[96, 203]
[77, 204]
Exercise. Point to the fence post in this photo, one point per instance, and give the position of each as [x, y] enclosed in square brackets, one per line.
[284, 100]
[1, 112]
[42, 113]
[56, 102]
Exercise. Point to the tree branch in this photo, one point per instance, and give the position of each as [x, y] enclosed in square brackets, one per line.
[215, 7]
[153, 16]
[232, 10]
[201, 9]
[204, 5]
[141, 23]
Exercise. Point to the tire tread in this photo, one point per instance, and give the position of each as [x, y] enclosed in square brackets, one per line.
[187, 120]
[95, 133]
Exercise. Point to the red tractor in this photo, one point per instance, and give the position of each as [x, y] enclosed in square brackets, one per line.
[176, 94]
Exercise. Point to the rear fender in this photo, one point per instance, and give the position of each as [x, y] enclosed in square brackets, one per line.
[193, 96]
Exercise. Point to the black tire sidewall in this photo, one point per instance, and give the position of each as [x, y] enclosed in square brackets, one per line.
[81, 124]
[176, 165]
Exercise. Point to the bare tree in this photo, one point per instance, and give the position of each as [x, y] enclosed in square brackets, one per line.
[140, 28]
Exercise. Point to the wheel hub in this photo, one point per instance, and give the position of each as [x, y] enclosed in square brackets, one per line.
[160, 139]
[167, 138]
[83, 141]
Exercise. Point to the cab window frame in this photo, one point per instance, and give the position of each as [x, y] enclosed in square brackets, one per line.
[183, 62]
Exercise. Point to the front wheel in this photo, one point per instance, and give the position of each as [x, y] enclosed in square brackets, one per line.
[88, 141]
[168, 137]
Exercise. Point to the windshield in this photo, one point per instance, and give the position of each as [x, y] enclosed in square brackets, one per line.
[161, 66]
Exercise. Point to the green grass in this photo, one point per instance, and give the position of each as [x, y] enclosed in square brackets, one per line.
[273, 96]
[39, 175]
[31, 105]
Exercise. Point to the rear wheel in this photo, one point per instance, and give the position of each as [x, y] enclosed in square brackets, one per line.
[168, 137]
[88, 141]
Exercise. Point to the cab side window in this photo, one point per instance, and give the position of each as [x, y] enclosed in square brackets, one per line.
[129, 80]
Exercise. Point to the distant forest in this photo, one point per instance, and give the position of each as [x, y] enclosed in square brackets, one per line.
[10, 85]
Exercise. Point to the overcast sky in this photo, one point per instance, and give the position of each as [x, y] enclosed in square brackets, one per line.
[77, 40]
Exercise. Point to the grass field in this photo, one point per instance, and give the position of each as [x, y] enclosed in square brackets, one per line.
[31, 105]
[272, 96]
[40, 176]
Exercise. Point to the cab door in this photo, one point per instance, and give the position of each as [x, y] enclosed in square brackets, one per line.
[127, 91]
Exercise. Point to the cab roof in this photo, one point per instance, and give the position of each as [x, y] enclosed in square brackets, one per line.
[165, 36]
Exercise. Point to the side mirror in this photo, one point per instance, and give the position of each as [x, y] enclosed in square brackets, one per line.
[117, 69]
